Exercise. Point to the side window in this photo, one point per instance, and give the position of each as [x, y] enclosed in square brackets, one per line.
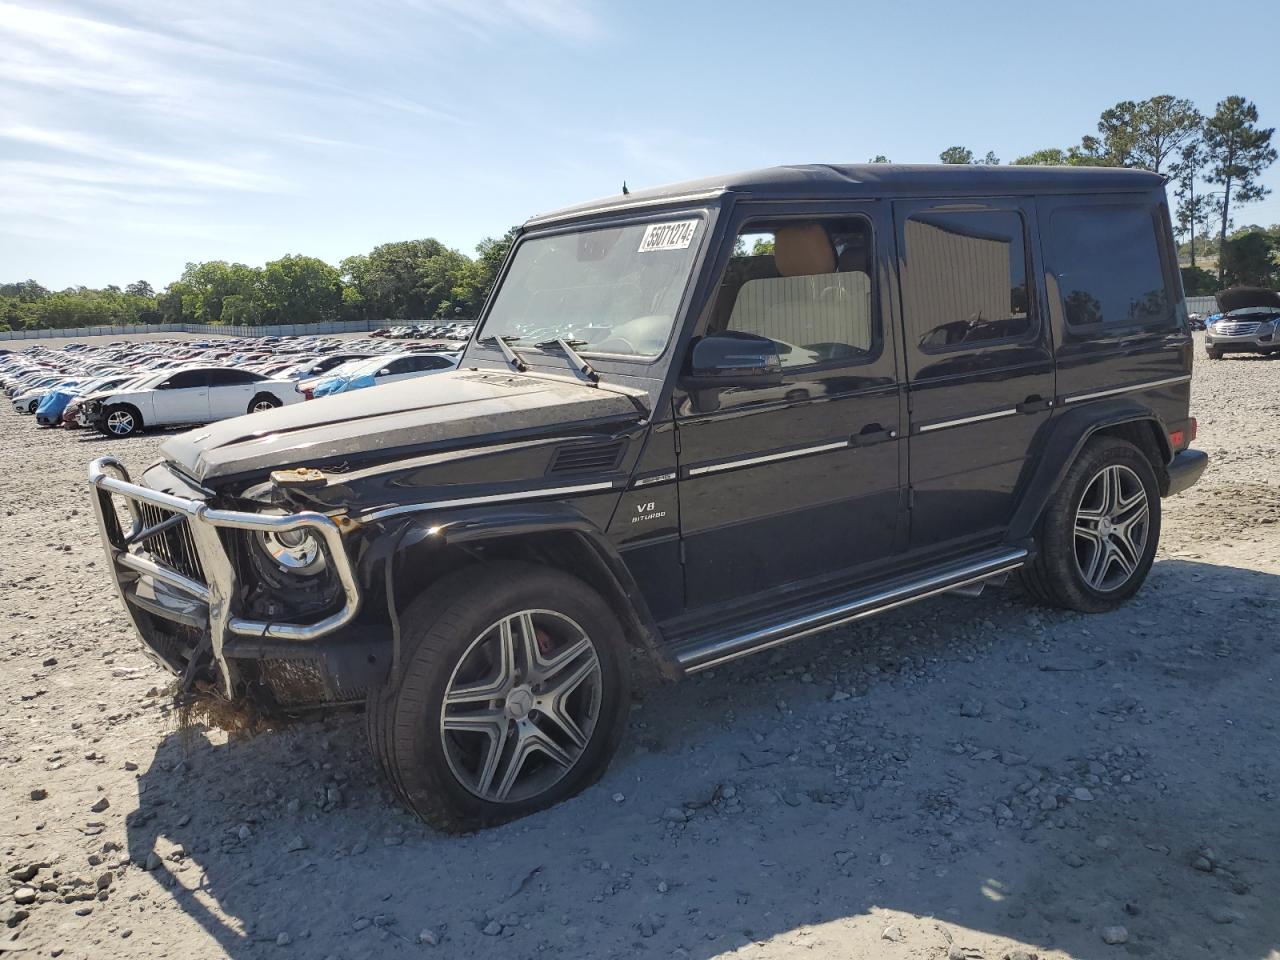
[187, 378]
[1105, 262]
[966, 278]
[806, 285]
[231, 378]
[403, 365]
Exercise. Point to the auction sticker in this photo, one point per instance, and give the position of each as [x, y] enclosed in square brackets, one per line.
[668, 236]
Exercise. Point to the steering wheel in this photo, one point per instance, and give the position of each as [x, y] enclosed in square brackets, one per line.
[609, 346]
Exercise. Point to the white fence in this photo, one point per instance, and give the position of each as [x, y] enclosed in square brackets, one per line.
[220, 330]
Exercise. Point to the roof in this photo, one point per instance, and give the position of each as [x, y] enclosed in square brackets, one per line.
[869, 180]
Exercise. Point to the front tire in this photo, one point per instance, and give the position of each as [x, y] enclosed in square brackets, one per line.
[120, 421]
[1213, 354]
[1098, 536]
[512, 695]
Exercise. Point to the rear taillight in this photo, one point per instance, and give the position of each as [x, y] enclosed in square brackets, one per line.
[1195, 430]
[1176, 438]
[308, 395]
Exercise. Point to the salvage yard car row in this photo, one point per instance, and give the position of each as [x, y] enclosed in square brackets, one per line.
[127, 386]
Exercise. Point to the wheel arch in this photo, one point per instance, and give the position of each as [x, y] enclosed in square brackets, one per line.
[1069, 432]
[108, 405]
[424, 549]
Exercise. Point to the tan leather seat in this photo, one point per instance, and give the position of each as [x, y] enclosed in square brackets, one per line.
[803, 251]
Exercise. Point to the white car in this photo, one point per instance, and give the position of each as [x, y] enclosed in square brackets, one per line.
[388, 368]
[187, 396]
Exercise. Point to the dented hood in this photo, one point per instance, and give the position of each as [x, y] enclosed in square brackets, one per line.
[379, 422]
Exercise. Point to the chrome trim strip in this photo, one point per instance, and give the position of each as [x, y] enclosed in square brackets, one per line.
[605, 206]
[943, 424]
[1137, 386]
[491, 498]
[734, 648]
[767, 458]
[658, 478]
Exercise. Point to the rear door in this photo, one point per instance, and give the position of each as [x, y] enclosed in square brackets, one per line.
[797, 482]
[230, 392]
[979, 363]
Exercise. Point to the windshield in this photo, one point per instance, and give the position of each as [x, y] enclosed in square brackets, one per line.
[607, 290]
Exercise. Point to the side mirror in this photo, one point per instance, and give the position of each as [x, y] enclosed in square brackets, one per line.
[732, 359]
[384, 371]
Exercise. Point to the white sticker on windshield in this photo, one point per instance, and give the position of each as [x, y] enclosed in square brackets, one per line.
[668, 236]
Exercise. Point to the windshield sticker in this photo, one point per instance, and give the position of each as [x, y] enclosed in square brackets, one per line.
[668, 236]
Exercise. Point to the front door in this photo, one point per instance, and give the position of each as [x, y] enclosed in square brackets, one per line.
[786, 484]
[183, 398]
[979, 363]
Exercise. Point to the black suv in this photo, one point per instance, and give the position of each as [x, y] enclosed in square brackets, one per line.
[694, 423]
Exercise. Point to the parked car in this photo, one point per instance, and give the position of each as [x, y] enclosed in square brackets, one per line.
[52, 404]
[189, 395]
[388, 369]
[1249, 322]
[477, 555]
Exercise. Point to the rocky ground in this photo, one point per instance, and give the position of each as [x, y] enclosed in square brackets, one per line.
[966, 778]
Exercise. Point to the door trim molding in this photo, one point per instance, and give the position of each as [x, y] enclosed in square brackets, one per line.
[1150, 384]
[961, 421]
[768, 458]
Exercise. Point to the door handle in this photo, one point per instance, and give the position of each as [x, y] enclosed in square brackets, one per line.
[1034, 404]
[872, 434]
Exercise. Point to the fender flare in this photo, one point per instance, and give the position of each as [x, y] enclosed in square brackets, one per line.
[598, 561]
[1068, 433]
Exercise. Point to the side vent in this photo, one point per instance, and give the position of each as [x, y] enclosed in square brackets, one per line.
[588, 458]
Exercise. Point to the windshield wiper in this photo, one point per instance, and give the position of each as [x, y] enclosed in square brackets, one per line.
[584, 368]
[513, 358]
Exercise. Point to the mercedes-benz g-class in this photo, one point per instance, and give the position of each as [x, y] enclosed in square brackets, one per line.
[693, 423]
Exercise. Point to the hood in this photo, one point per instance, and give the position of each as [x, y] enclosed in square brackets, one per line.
[378, 423]
[1241, 298]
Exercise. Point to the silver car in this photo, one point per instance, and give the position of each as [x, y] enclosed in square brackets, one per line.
[1249, 323]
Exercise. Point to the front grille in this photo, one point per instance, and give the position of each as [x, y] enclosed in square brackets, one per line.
[1237, 329]
[172, 547]
[593, 457]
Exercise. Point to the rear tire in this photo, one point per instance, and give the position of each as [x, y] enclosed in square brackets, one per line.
[263, 401]
[120, 421]
[535, 670]
[1098, 536]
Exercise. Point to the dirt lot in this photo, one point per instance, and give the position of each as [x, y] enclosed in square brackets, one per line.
[968, 778]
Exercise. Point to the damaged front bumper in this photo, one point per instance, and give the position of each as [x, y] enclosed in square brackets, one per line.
[170, 561]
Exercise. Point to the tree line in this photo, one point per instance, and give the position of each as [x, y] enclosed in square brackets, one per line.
[410, 281]
[1214, 161]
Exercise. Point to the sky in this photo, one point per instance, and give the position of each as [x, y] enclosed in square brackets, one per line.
[138, 135]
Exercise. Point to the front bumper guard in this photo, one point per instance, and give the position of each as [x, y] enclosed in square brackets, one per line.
[215, 593]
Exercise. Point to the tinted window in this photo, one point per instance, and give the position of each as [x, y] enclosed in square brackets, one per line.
[1105, 263]
[230, 378]
[965, 281]
[806, 285]
[187, 378]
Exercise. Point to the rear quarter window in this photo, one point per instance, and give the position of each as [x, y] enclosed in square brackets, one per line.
[1105, 262]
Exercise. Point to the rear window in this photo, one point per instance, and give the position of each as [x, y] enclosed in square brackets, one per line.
[1105, 260]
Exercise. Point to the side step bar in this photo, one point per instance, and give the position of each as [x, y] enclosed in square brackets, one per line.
[703, 654]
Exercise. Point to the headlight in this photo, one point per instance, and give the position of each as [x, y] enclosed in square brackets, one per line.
[294, 551]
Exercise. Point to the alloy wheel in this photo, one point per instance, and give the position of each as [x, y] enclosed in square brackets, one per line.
[120, 422]
[262, 405]
[1111, 527]
[521, 706]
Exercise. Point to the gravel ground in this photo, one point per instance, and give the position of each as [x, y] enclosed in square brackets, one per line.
[966, 778]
